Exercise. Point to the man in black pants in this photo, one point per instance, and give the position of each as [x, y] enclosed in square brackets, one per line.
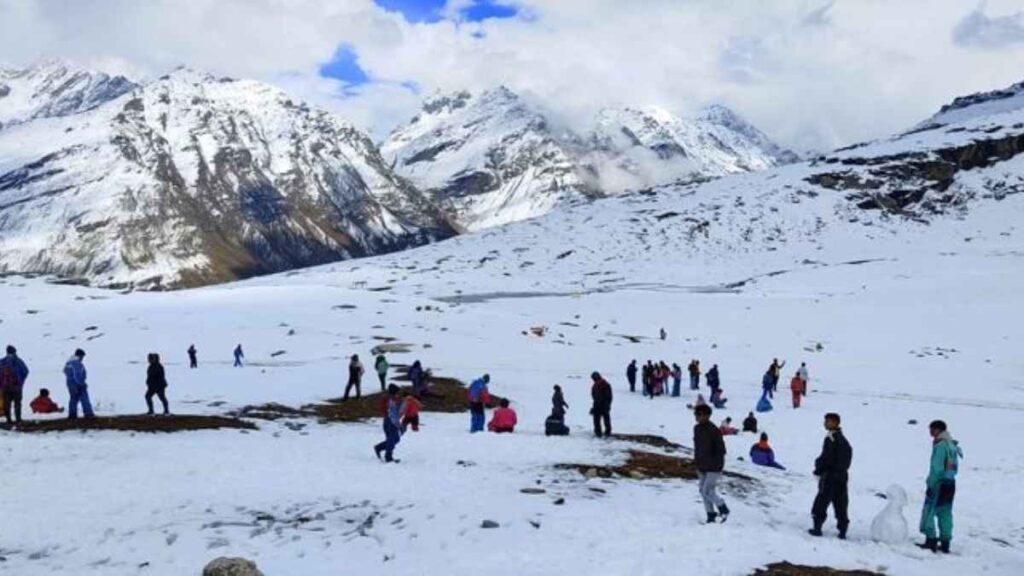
[832, 469]
[601, 393]
[631, 375]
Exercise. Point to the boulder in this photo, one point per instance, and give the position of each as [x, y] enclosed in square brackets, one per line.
[231, 567]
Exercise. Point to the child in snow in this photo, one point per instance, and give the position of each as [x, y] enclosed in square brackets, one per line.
[764, 405]
[798, 387]
[392, 426]
[727, 428]
[750, 423]
[717, 400]
[504, 418]
[558, 403]
[410, 411]
[42, 404]
[763, 455]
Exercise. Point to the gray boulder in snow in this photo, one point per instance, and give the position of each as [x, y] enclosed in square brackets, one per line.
[224, 566]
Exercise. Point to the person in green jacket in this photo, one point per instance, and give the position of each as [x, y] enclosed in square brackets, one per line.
[382, 370]
[941, 482]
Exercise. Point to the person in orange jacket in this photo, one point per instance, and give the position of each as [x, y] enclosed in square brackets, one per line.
[504, 418]
[410, 412]
[798, 387]
[42, 404]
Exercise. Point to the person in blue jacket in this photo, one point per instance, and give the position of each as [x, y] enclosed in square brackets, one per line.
[479, 396]
[768, 384]
[763, 455]
[392, 426]
[13, 373]
[74, 374]
[239, 356]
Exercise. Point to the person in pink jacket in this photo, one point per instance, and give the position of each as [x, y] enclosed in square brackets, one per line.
[504, 418]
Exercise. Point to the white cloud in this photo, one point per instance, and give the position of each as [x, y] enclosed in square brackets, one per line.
[811, 73]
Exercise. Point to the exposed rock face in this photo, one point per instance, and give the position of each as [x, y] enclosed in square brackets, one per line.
[190, 180]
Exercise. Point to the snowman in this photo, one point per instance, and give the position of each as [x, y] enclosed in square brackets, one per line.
[889, 526]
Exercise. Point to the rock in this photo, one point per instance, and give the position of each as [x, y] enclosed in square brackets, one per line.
[559, 501]
[591, 473]
[637, 475]
[533, 491]
[231, 567]
[912, 422]
[489, 524]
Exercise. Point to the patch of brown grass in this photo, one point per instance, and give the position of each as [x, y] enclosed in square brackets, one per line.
[137, 423]
[787, 569]
[642, 465]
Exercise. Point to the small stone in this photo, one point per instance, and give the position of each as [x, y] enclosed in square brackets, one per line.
[489, 524]
[912, 422]
[559, 501]
[231, 567]
[533, 491]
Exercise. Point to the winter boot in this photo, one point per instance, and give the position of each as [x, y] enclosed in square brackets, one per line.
[816, 531]
[723, 512]
[711, 517]
[929, 544]
[944, 546]
[842, 532]
[377, 450]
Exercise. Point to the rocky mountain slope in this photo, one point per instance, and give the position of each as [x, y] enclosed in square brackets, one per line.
[494, 158]
[189, 180]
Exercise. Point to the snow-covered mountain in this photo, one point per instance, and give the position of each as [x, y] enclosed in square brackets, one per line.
[495, 158]
[187, 180]
[489, 157]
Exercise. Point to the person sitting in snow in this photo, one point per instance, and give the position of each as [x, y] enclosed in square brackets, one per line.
[43, 404]
[555, 425]
[504, 418]
[764, 405]
[750, 423]
[410, 411]
[717, 400]
[763, 455]
[727, 428]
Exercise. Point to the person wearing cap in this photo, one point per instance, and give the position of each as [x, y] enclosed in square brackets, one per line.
[941, 487]
[601, 410]
[13, 373]
[479, 396]
[74, 374]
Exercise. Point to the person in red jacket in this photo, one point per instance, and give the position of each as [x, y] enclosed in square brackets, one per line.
[410, 412]
[504, 418]
[42, 404]
[799, 387]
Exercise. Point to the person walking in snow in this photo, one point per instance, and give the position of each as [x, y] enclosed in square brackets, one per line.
[712, 378]
[762, 454]
[768, 384]
[355, 377]
[694, 371]
[631, 375]
[381, 365]
[940, 489]
[239, 356]
[832, 469]
[804, 375]
[479, 396]
[601, 410]
[558, 403]
[392, 426]
[13, 373]
[709, 457]
[193, 361]
[410, 412]
[796, 386]
[663, 334]
[75, 377]
[156, 383]
[677, 379]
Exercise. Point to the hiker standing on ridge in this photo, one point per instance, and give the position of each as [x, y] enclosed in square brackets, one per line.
[832, 469]
[479, 396]
[381, 365]
[156, 383]
[13, 373]
[709, 457]
[601, 394]
[75, 374]
[941, 487]
[631, 375]
[193, 362]
[238, 356]
[355, 377]
[392, 426]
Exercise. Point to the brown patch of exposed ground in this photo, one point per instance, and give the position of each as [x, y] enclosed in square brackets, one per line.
[448, 396]
[649, 440]
[642, 465]
[136, 423]
[787, 569]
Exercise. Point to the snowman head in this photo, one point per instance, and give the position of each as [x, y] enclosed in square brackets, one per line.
[896, 496]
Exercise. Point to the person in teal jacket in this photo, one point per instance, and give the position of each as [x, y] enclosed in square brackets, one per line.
[941, 482]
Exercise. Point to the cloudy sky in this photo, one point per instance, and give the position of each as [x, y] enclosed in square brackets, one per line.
[814, 74]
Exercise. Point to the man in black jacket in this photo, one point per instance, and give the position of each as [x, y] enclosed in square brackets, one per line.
[832, 469]
[601, 393]
[709, 457]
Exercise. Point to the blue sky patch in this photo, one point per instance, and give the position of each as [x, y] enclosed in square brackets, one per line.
[486, 10]
[344, 66]
[415, 11]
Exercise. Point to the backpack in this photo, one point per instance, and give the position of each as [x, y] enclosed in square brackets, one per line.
[8, 379]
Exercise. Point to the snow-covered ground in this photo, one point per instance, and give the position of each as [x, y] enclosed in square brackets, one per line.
[916, 322]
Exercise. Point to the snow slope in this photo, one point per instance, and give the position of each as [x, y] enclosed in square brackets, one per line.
[917, 309]
[189, 180]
